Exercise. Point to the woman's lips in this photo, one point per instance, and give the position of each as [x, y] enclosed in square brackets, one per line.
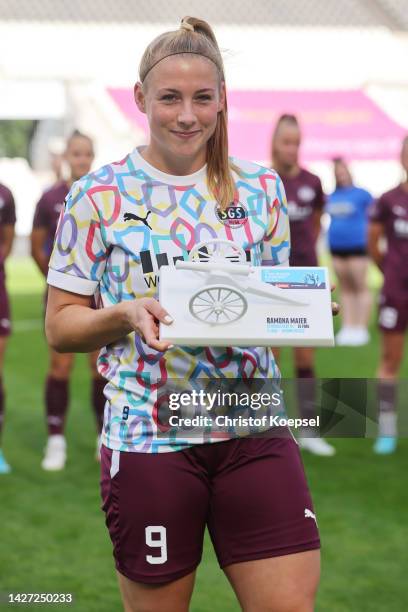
[186, 135]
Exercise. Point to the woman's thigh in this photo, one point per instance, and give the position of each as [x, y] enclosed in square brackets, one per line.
[278, 584]
[341, 269]
[263, 525]
[156, 507]
[358, 267]
[261, 506]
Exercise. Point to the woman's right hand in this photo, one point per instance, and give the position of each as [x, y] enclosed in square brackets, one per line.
[143, 315]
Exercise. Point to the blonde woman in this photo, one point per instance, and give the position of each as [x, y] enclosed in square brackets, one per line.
[119, 225]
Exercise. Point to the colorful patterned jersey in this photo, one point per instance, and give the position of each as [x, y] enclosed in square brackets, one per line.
[123, 222]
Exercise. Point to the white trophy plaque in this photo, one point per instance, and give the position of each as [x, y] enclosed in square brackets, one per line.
[217, 299]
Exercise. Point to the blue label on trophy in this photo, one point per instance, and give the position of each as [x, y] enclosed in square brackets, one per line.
[296, 278]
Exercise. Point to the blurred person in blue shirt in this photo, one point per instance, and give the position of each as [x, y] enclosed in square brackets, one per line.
[347, 238]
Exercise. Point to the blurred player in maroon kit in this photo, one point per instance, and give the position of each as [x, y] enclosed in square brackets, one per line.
[389, 220]
[7, 223]
[79, 156]
[305, 200]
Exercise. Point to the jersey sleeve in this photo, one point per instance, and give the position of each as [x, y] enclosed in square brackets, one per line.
[79, 255]
[276, 243]
[41, 218]
[378, 211]
[9, 210]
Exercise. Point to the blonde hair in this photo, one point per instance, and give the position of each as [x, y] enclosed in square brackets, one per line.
[197, 37]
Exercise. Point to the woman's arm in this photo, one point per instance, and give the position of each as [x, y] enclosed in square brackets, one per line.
[38, 240]
[375, 235]
[72, 326]
[7, 241]
[317, 224]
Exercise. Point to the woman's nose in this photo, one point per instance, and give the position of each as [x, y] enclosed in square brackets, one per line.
[186, 114]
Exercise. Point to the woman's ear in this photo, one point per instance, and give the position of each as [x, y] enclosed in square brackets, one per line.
[139, 97]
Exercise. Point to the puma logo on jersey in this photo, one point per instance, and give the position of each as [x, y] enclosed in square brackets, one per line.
[309, 514]
[132, 217]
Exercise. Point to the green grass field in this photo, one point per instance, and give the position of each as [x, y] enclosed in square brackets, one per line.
[53, 537]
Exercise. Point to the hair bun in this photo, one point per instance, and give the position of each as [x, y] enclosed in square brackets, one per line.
[185, 25]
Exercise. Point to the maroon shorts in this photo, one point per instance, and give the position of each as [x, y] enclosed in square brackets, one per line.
[250, 492]
[5, 324]
[393, 313]
[303, 259]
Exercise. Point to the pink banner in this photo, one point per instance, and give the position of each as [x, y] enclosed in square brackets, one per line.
[346, 123]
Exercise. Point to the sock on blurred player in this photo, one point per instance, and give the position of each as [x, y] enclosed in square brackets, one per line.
[306, 392]
[387, 413]
[98, 401]
[56, 401]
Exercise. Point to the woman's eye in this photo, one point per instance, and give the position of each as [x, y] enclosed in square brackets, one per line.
[169, 98]
[204, 98]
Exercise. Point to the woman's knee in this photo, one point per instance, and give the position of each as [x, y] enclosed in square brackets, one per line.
[304, 358]
[61, 365]
[392, 352]
[389, 368]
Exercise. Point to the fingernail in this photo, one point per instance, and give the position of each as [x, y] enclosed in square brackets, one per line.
[170, 346]
[168, 319]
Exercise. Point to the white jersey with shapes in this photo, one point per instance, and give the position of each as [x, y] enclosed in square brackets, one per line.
[119, 225]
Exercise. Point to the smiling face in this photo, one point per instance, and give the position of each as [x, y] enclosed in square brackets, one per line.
[181, 96]
[79, 155]
[286, 144]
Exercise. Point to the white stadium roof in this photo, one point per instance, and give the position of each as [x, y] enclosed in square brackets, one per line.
[304, 13]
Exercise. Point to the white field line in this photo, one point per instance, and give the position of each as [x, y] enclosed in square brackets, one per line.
[25, 325]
